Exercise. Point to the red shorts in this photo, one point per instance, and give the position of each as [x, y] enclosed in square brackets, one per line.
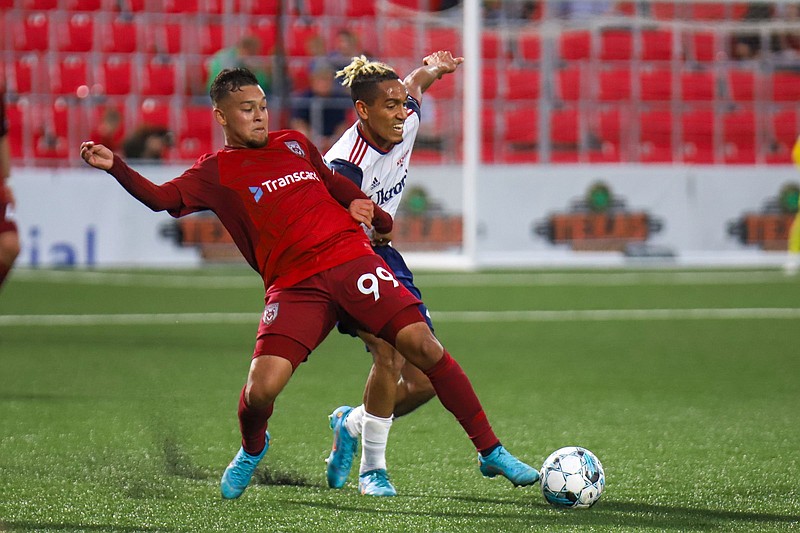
[7, 217]
[362, 290]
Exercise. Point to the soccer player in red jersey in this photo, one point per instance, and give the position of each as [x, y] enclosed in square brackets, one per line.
[9, 238]
[297, 224]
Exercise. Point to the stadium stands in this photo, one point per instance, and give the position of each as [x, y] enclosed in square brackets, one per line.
[649, 82]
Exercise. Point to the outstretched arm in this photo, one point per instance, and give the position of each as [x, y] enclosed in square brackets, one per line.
[156, 197]
[434, 67]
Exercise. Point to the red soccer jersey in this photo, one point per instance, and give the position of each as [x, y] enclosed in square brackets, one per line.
[281, 205]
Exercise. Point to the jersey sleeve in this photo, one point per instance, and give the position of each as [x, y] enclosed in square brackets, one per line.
[413, 105]
[349, 170]
[156, 197]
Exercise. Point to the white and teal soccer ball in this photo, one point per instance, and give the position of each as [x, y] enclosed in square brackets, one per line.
[572, 477]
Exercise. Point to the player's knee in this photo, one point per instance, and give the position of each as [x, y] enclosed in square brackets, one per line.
[417, 343]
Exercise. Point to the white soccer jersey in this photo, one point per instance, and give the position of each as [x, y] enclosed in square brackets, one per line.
[381, 175]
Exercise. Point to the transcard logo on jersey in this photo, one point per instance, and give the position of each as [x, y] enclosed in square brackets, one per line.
[274, 185]
[270, 314]
[768, 229]
[599, 222]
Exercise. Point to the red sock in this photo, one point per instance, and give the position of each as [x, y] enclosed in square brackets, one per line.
[253, 426]
[456, 394]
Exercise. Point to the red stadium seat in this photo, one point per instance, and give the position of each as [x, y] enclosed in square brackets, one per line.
[783, 132]
[522, 83]
[698, 85]
[69, 74]
[491, 45]
[155, 112]
[260, 7]
[529, 46]
[195, 132]
[488, 83]
[436, 38]
[314, 8]
[655, 84]
[520, 134]
[663, 10]
[608, 136]
[703, 45]
[16, 112]
[211, 38]
[39, 4]
[119, 36]
[564, 135]
[568, 84]
[616, 45]
[398, 39]
[301, 37]
[360, 8]
[698, 135]
[32, 33]
[181, 6]
[708, 10]
[299, 74]
[657, 45]
[614, 84]
[27, 74]
[785, 86]
[116, 75]
[264, 29]
[574, 45]
[444, 88]
[76, 34]
[739, 136]
[159, 78]
[741, 84]
[83, 5]
[655, 136]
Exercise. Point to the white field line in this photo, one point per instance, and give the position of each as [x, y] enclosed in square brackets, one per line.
[596, 315]
[520, 279]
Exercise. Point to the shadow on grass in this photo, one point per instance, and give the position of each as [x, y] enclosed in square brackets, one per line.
[272, 476]
[36, 526]
[613, 515]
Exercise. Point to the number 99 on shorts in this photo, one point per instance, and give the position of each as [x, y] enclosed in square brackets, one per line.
[369, 283]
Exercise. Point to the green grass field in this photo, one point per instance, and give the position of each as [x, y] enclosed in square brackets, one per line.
[119, 393]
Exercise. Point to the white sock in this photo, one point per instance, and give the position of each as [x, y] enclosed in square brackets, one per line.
[373, 442]
[355, 421]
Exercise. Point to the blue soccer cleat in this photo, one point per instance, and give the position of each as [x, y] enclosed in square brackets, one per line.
[503, 463]
[340, 460]
[237, 476]
[376, 483]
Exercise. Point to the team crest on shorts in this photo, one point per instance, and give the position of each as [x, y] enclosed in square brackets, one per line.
[295, 147]
[270, 314]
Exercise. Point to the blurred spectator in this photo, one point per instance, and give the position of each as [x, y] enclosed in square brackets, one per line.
[248, 54]
[581, 9]
[346, 48]
[748, 45]
[109, 130]
[789, 40]
[319, 112]
[499, 12]
[148, 142]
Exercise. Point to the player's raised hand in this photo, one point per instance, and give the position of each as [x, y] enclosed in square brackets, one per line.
[97, 155]
[362, 211]
[444, 60]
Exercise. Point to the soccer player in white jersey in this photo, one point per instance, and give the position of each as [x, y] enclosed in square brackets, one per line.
[375, 153]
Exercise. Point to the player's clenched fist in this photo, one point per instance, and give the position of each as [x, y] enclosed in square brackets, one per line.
[97, 155]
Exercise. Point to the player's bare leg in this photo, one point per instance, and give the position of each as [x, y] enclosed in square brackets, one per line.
[413, 390]
[267, 377]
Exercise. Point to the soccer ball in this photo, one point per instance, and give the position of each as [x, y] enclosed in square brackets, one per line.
[572, 477]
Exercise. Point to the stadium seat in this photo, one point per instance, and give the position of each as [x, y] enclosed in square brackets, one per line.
[616, 45]
[574, 45]
[260, 7]
[181, 6]
[655, 136]
[529, 46]
[488, 83]
[437, 38]
[83, 5]
[301, 36]
[158, 78]
[614, 84]
[444, 88]
[783, 130]
[130, 6]
[698, 135]
[155, 112]
[119, 36]
[31, 33]
[36, 5]
[26, 74]
[195, 132]
[491, 44]
[698, 85]
[564, 135]
[741, 84]
[75, 33]
[703, 46]
[520, 133]
[51, 122]
[211, 38]
[739, 136]
[398, 39]
[664, 10]
[299, 73]
[785, 86]
[568, 84]
[116, 78]
[607, 136]
[522, 83]
[69, 74]
[360, 8]
[16, 113]
[657, 45]
[317, 8]
[655, 84]
[264, 29]
[164, 37]
[707, 10]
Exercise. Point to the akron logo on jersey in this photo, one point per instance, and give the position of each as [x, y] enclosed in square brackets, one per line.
[295, 147]
[270, 314]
